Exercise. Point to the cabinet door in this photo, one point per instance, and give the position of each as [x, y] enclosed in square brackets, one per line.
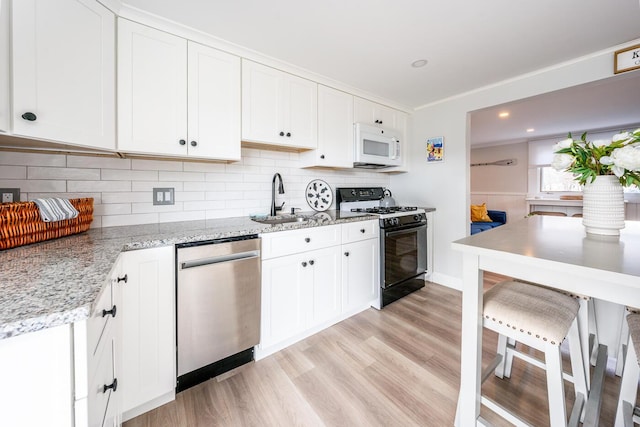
[360, 273]
[366, 111]
[152, 90]
[64, 71]
[326, 285]
[5, 110]
[262, 104]
[214, 103]
[300, 112]
[284, 299]
[335, 130]
[148, 326]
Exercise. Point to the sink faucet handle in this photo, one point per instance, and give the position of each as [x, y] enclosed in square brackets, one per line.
[279, 208]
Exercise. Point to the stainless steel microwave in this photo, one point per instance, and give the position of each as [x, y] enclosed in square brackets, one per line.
[375, 147]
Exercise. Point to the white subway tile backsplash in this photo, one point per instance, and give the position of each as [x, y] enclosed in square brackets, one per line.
[116, 220]
[150, 185]
[112, 209]
[122, 188]
[35, 185]
[35, 172]
[204, 167]
[137, 208]
[182, 216]
[158, 165]
[31, 159]
[13, 172]
[97, 162]
[127, 197]
[181, 176]
[128, 175]
[204, 205]
[99, 185]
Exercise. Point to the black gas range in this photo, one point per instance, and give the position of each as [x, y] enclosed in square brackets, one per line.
[403, 240]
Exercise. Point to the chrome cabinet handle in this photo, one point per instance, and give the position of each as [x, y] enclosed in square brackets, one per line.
[346, 254]
[304, 263]
[362, 230]
[182, 142]
[124, 279]
[311, 262]
[307, 239]
[29, 116]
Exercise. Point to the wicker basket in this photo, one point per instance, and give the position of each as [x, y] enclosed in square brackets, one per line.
[20, 223]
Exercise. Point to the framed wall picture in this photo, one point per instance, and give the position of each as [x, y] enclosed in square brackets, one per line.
[626, 59]
[435, 149]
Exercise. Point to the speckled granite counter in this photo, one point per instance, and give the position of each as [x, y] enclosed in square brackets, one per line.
[58, 281]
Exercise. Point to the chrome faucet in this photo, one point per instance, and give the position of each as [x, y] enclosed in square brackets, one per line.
[275, 208]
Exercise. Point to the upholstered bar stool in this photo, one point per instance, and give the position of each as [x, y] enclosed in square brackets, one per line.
[631, 373]
[540, 318]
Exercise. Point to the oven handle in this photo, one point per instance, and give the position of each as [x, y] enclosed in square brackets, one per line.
[406, 231]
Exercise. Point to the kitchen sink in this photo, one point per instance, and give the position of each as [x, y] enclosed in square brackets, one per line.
[281, 219]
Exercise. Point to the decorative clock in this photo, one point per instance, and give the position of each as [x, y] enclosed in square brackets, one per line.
[319, 195]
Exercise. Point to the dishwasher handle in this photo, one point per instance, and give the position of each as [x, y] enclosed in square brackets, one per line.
[219, 259]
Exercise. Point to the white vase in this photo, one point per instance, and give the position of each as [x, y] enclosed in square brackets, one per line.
[603, 206]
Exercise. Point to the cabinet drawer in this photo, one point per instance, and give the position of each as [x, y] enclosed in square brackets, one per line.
[294, 241]
[361, 230]
[102, 385]
[97, 322]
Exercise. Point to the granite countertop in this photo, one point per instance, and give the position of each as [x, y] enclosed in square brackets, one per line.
[58, 281]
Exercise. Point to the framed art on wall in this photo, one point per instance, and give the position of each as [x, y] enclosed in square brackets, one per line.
[435, 149]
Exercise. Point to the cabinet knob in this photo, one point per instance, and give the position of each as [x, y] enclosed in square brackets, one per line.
[124, 279]
[111, 312]
[288, 134]
[29, 116]
[377, 121]
[281, 133]
[182, 142]
[311, 262]
[307, 239]
[304, 263]
[322, 156]
[113, 386]
[194, 143]
[346, 254]
[362, 230]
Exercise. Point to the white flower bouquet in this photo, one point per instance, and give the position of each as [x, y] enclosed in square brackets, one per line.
[589, 159]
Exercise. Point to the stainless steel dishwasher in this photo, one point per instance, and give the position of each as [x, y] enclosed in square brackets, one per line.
[218, 307]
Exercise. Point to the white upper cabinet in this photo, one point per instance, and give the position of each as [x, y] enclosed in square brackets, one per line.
[369, 112]
[214, 103]
[63, 60]
[176, 97]
[335, 131]
[4, 67]
[278, 108]
[152, 90]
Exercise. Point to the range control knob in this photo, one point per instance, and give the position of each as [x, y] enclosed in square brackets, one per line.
[417, 218]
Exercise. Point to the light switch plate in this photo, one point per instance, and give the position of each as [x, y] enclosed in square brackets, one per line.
[163, 196]
[9, 195]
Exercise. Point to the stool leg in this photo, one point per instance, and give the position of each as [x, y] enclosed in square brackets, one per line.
[502, 351]
[509, 362]
[629, 383]
[578, 368]
[593, 327]
[584, 328]
[555, 386]
[624, 340]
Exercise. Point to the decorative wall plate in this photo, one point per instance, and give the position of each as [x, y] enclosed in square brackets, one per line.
[319, 195]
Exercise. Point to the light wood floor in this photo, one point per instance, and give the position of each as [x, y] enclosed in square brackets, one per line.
[394, 367]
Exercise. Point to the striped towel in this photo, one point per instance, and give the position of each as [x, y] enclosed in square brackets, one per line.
[55, 209]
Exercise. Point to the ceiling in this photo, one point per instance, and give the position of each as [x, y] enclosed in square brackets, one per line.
[370, 45]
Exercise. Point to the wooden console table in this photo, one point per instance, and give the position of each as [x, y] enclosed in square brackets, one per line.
[554, 251]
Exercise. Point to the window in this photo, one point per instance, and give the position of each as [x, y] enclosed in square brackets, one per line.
[552, 180]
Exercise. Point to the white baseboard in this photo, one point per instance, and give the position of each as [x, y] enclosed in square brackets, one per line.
[148, 406]
[446, 280]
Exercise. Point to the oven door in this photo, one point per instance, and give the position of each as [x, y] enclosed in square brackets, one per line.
[404, 254]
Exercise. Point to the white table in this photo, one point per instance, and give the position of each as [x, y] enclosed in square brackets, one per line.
[554, 251]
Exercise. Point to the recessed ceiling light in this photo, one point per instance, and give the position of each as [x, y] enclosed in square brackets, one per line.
[503, 115]
[530, 130]
[419, 63]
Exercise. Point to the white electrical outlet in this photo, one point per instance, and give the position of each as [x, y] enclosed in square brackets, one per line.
[7, 197]
[10, 195]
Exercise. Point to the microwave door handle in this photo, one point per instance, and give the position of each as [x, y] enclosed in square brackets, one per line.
[394, 148]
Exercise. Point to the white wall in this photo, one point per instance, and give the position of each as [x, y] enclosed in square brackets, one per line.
[122, 188]
[446, 186]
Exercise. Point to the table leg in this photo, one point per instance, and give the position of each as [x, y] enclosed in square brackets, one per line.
[471, 345]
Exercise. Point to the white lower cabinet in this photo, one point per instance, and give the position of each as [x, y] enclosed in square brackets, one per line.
[306, 290]
[148, 330]
[360, 280]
